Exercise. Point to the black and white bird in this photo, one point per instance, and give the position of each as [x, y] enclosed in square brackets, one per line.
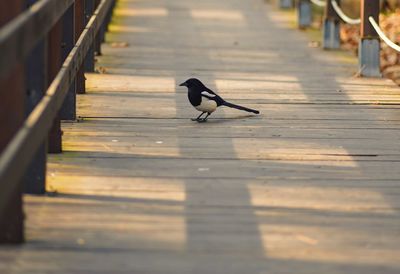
[205, 100]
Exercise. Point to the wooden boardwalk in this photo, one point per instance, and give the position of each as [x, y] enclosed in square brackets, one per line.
[311, 185]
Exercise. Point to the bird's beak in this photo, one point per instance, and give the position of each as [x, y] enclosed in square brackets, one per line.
[183, 84]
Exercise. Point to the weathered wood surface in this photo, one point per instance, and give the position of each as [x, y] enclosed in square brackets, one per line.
[309, 186]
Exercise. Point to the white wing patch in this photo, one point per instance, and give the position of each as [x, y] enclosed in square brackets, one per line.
[207, 94]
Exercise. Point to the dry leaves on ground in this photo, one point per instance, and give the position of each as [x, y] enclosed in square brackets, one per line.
[390, 59]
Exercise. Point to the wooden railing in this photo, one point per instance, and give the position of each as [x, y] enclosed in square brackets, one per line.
[45, 45]
[369, 46]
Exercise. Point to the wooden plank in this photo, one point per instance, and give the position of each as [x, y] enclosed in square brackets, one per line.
[224, 169]
[305, 155]
[132, 142]
[248, 132]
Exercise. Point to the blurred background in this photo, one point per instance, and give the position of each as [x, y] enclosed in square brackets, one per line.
[350, 34]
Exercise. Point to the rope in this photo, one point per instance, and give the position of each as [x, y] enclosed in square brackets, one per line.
[318, 3]
[343, 16]
[382, 35]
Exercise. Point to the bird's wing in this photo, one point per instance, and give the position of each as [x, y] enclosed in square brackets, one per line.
[208, 95]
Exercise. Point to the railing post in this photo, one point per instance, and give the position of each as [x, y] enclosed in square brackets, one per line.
[331, 31]
[68, 110]
[54, 63]
[99, 36]
[89, 60]
[369, 47]
[79, 26]
[286, 4]
[304, 13]
[35, 175]
[12, 109]
[109, 16]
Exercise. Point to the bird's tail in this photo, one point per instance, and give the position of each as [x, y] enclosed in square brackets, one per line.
[240, 107]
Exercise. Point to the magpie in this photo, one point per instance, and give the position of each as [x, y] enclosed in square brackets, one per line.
[205, 100]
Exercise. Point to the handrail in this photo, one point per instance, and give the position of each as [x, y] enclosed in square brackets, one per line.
[318, 3]
[18, 153]
[27, 29]
[382, 34]
[343, 16]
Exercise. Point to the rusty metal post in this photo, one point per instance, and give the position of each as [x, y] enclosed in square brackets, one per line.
[99, 36]
[89, 60]
[54, 64]
[79, 13]
[107, 20]
[35, 175]
[331, 36]
[109, 16]
[12, 109]
[304, 14]
[369, 47]
[286, 4]
[68, 109]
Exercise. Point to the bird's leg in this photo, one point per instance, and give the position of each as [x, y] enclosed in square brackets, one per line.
[204, 119]
[198, 117]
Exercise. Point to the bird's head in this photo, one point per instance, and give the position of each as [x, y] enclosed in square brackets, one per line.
[192, 83]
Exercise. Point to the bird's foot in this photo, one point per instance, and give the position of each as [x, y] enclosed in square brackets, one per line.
[199, 120]
[203, 120]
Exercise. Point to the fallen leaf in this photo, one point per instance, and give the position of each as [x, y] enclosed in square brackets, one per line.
[101, 70]
[314, 44]
[307, 240]
[119, 45]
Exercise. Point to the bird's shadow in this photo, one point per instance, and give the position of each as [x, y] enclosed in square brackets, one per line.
[229, 119]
